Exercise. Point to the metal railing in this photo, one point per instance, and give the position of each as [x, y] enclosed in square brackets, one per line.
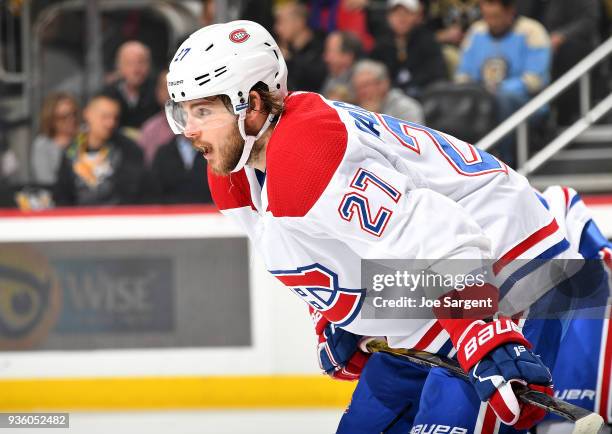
[173, 14]
[21, 53]
[12, 70]
[15, 65]
[518, 121]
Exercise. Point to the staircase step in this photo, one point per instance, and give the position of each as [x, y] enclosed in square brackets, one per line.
[596, 133]
[603, 153]
[578, 166]
[589, 183]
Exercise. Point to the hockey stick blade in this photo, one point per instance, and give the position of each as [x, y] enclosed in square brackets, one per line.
[585, 422]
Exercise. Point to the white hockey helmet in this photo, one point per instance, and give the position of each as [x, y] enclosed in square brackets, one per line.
[225, 59]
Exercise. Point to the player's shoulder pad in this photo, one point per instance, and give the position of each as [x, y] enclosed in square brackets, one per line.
[231, 191]
[303, 154]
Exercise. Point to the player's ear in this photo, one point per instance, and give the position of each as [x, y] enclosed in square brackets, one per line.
[255, 101]
[255, 110]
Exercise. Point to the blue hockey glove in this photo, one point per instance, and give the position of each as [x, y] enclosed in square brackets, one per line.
[494, 375]
[338, 350]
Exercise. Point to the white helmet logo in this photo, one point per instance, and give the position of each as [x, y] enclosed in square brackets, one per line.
[239, 36]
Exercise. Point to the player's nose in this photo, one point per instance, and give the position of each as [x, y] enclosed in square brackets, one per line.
[192, 131]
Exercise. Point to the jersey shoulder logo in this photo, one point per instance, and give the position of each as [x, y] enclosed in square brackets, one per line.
[239, 36]
[318, 286]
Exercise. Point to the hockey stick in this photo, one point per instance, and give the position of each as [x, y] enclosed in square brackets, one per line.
[585, 422]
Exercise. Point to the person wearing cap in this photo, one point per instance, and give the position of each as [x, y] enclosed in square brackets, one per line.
[410, 50]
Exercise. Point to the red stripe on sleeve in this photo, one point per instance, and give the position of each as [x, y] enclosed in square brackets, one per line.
[566, 196]
[525, 245]
[429, 336]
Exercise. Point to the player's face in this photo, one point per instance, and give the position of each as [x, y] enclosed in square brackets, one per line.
[213, 131]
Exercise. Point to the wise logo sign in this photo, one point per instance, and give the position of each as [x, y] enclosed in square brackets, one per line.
[116, 295]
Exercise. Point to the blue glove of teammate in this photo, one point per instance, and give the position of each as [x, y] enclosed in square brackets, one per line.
[494, 374]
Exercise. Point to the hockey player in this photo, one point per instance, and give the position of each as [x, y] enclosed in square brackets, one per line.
[581, 372]
[584, 363]
[320, 185]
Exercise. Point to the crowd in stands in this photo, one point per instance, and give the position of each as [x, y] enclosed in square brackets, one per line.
[384, 55]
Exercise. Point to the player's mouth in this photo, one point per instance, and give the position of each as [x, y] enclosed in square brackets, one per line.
[205, 150]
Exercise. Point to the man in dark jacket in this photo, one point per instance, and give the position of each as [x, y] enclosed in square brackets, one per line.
[574, 33]
[101, 167]
[302, 47]
[179, 174]
[410, 51]
[574, 28]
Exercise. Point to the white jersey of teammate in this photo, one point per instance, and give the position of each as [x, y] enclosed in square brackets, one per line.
[343, 184]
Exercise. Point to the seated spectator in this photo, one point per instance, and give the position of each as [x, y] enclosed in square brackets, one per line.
[135, 87]
[156, 131]
[410, 52]
[450, 19]
[59, 125]
[301, 47]
[342, 50]
[373, 91]
[179, 173]
[574, 33]
[101, 167]
[347, 15]
[507, 54]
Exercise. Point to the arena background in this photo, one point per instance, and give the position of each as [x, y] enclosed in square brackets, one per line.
[158, 318]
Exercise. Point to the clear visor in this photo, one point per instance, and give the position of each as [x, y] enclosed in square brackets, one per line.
[202, 114]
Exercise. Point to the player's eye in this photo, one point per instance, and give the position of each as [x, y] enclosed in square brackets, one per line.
[200, 112]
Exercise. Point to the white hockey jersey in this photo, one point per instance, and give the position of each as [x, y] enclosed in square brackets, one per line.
[343, 184]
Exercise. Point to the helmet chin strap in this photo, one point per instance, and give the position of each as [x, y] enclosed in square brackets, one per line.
[249, 141]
